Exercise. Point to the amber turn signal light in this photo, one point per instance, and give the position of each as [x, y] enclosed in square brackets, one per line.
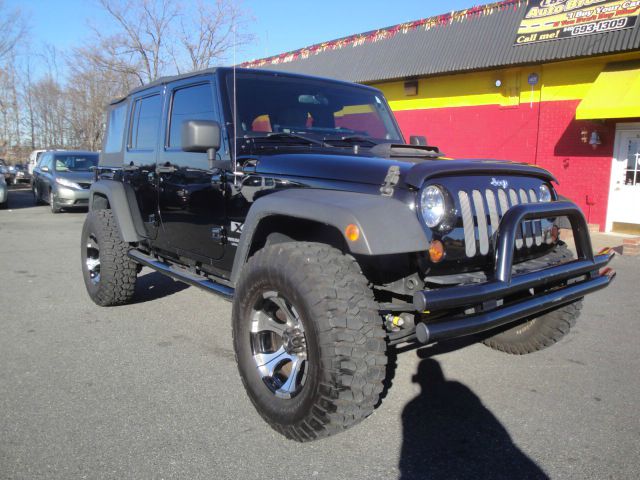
[436, 251]
[352, 232]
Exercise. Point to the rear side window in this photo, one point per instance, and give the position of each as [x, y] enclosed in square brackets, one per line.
[190, 103]
[145, 123]
[115, 130]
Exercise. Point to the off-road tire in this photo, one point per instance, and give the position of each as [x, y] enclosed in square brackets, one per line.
[344, 336]
[543, 331]
[118, 272]
[55, 208]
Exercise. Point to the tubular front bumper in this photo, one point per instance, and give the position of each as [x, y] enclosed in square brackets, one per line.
[562, 283]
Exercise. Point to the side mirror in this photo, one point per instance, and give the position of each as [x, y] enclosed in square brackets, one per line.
[419, 140]
[203, 136]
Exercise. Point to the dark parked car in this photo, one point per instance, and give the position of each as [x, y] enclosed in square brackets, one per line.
[298, 199]
[63, 178]
[21, 174]
[6, 173]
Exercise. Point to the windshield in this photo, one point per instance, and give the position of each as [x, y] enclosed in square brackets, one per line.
[320, 109]
[76, 163]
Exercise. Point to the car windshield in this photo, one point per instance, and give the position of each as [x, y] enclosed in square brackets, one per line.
[267, 105]
[76, 163]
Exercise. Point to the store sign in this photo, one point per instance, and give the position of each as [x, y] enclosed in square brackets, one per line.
[555, 19]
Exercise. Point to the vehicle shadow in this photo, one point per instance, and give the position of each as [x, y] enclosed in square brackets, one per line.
[20, 197]
[154, 285]
[448, 433]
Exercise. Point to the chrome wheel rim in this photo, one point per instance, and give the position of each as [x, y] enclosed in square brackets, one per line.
[279, 345]
[93, 259]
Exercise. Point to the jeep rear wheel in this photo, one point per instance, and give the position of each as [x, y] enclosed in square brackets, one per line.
[109, 274]
[543, 331]
[308, 339]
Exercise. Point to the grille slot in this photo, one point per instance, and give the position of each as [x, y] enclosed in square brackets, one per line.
[481, 212]
[468, 224]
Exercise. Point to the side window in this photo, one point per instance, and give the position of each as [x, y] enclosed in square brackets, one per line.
[145, 123]
[189, 103]
[115, 129]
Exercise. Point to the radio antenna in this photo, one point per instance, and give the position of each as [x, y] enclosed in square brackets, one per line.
[235, 108]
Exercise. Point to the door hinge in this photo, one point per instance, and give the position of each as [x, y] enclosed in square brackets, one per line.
[390, 181]
[219, 234]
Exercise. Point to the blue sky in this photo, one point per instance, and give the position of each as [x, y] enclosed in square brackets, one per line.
[278, 25]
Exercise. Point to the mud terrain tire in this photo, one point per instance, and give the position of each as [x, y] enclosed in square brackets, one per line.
[344, 338]
[109, 274]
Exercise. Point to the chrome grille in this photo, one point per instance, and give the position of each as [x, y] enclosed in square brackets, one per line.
[481, 213]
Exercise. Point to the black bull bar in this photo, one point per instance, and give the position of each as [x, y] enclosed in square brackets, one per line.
[587, 273]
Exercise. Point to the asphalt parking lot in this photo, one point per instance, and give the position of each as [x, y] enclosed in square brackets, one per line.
[151, 390]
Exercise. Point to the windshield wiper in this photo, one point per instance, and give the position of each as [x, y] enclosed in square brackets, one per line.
[287, 135]
[351, 139]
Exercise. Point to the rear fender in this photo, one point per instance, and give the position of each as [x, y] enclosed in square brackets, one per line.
[121, 199]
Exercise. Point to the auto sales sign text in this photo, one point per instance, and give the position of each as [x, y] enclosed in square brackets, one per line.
[547, 20]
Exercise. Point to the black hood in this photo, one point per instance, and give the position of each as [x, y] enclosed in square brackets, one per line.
[346, 168]
[373, 170]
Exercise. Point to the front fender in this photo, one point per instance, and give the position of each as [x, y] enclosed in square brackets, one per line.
[387, 226]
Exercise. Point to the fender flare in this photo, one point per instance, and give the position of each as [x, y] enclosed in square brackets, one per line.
[123, 204]
[387, 226]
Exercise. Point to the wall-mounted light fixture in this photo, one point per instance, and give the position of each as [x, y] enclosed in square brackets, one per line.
[411, 88]
[594, 141]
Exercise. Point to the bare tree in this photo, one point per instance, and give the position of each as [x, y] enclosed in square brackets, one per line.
[58, 99]
[143, 28]
[13, 27]
[209, 35]
[88, 96]
[157, 37]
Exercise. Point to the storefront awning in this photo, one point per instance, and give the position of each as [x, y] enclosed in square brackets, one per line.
[614, 94]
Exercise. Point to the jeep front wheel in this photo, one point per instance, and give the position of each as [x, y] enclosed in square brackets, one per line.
[308, 339]
[109, 274]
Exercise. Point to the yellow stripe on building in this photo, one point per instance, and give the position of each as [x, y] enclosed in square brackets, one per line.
[563, 81]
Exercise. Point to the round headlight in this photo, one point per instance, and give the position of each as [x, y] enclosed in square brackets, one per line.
[432, 205]
[544, 194]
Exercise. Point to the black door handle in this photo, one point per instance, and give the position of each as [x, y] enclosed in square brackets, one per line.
[166, 168]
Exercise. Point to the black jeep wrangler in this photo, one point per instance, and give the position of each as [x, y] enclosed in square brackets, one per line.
[298, 199]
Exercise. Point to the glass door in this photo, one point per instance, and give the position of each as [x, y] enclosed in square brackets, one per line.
[624, 214]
